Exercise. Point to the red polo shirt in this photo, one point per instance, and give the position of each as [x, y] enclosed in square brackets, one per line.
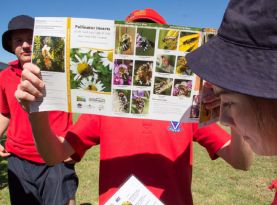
[158, 153]
[19, 134]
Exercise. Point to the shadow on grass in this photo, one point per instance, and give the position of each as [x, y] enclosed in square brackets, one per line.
[85, 204]
[3, 173]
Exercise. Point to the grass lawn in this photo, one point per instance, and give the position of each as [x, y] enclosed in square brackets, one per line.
[214, 182]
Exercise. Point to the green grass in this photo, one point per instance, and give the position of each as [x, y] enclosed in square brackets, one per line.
[214, 182]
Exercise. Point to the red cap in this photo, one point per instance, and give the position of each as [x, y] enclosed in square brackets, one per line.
[148, 14]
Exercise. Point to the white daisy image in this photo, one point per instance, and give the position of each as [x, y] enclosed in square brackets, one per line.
[107, 59]
[91, 84]
[82, 68]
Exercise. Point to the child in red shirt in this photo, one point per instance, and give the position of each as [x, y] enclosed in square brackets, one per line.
[31, 181]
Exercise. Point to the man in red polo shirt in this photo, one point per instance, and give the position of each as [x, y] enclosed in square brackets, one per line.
[158, 153]
[30, 180]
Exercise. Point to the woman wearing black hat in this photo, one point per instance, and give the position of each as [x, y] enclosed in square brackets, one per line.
[242, 62]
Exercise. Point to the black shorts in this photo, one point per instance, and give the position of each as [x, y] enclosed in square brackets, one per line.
[38, 184]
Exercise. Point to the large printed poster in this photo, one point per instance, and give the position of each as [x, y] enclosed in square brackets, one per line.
[114, 68]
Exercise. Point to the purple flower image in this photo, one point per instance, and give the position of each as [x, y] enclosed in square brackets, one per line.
[123, 72]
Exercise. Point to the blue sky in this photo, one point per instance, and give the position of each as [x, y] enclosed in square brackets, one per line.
[195, 13]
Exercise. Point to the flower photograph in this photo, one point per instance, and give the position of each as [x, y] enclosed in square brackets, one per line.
[125, 40]
[143, 73]
[140, 102]
[91, 69]
[189, 41]
[165, 63]
[168, 39]
[163, 86]
[182, 87]
[48, 53]
[145, 41]
[123, 70]
[182, 67]
[121, 100]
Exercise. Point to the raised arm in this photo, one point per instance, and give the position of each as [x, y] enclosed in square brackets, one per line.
[237, 152]
[53, 149]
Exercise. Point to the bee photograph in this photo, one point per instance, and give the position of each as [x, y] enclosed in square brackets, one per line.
[163, 86]
[188, 41]
[143, 73]
[140, 102]
[182, 87]
[145, 42]
[121, 100]
[165, 63]
[182, 67]
[48, 53]
[125, 40]
[123, 70]
[168, 39]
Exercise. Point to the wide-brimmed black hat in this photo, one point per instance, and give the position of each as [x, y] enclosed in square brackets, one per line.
[17, 23]
[242, 57]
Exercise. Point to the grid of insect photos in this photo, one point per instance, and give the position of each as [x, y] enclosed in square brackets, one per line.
[151, 61]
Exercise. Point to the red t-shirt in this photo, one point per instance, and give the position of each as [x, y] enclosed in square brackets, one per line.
[273, 186]
[158, 153]
[19, 134]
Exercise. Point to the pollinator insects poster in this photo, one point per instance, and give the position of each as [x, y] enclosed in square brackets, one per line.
[113, 68]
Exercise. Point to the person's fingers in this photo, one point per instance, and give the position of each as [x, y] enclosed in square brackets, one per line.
[30, 88]
[210, 99]
[32, 68]
[24, 98]
[212, 105]
[3, 152]
[33, 78]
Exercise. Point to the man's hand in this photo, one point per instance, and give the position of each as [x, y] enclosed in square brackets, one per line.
[3, 152]
[31, 86]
